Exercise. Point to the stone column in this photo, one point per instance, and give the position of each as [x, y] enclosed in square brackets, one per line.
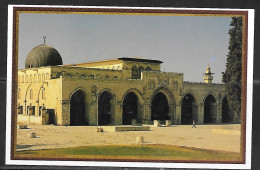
[64, 108]
[219, 113]
[172, 112]
[200, 114]
[118, 113]
[93, 113]
[177, 120]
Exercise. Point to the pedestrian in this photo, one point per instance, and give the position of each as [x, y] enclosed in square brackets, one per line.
[194, 124]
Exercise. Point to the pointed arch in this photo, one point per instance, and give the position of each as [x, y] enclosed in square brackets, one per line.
[78, 107]
[188, 109]
[132, 101]
[210, 108]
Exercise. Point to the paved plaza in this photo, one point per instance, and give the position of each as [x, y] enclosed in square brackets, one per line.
[215, 137]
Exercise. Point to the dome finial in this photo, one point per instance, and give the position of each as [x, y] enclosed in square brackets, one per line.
[44, 37]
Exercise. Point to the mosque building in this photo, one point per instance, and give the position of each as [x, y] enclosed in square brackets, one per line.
[123, 91]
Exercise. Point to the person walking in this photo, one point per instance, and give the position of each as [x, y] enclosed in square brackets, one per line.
[194, 124]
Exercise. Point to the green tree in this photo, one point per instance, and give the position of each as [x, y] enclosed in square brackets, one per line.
[232, 76]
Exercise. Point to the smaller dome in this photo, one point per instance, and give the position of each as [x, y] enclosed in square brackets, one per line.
[43, 55]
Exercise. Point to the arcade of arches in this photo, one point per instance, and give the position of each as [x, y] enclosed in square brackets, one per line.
[128, 91]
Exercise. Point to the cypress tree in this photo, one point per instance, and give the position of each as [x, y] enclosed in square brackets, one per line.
[232, 75]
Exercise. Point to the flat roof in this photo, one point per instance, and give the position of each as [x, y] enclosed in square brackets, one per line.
[139, 60]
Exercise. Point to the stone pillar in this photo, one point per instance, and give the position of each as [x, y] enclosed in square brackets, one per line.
[118, 114]
[93, 114]
[64, 108]
[200, 114]
[177, 119]
[219, 113]
[172, 112]
[147, 114]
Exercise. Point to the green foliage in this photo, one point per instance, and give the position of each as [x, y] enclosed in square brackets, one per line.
[232, 75]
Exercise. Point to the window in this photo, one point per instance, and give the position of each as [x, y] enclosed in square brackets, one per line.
[118, 68]
[35, 78]
[91, 76]
[39, 78]
[19, 94]
[134, 73]
[20, 110]
[114, 68]
[47, 76]
[148, 69]
[22, 78]
[31, 94]
[43, 77]
[140, 70]
[26, 79]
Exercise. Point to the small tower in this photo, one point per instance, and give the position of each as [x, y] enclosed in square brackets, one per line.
[208, 76]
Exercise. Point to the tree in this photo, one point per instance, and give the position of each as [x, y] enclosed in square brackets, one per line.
[232, 75]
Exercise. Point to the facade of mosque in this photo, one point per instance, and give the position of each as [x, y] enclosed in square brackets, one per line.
[122, 91]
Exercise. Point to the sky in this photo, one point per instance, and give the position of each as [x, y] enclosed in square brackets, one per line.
[186, 44]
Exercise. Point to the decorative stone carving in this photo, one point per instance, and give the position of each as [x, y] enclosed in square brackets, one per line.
[64, 102]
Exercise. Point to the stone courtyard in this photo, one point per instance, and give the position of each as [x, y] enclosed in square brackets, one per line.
[225, 137]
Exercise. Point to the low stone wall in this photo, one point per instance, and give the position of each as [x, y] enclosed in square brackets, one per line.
[26, 119]
[125, 128]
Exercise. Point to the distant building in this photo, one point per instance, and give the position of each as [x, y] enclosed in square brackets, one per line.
[122, 91]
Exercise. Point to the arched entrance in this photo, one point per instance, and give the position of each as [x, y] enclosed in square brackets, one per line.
[130, 108]
[188, 109]
[210, 109]
[77, 108]
[104, 108]
[160, 107]
[226, 112]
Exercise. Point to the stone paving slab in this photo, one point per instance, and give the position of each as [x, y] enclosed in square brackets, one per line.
[204, 136]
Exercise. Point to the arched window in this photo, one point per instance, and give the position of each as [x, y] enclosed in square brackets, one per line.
[118, 68]
[43, 77]
[140, 70]
[43, 93]
[39, 78]
[114, 68]
[47, 76]
[108, 68]
[91, 76]
[31, 94]
[134, 73]
[148, 69]
[35, 78]
[19, 94]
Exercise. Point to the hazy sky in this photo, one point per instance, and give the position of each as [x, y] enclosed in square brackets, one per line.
[186, 44]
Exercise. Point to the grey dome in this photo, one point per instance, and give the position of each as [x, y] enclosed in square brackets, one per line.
[43, 55]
